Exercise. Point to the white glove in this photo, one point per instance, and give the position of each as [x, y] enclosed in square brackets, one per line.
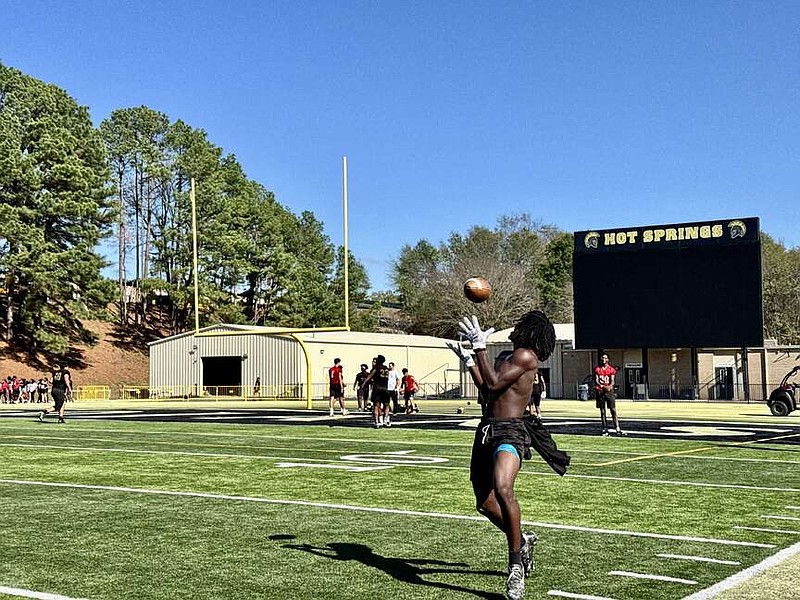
[465, 356]
[472, 331]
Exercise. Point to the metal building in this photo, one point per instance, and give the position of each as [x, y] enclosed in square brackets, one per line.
[230, 360]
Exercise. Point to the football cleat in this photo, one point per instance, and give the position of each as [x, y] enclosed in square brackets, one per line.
[527, 552]
[515, 584]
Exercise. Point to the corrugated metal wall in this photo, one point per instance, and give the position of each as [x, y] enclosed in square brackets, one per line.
[176, 363]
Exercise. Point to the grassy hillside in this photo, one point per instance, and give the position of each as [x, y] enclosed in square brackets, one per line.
[119, 358]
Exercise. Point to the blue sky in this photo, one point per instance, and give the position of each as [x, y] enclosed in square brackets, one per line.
[585, 115]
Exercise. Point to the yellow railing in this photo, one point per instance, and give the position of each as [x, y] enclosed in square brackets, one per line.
[92, 392]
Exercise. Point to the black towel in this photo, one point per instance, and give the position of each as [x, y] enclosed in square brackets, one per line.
[543, 443]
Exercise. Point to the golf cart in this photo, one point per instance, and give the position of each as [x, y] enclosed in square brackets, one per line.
[783, 399]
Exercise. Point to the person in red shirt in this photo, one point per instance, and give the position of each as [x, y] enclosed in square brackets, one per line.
[604, 375]
[409, 387]
[336, 377]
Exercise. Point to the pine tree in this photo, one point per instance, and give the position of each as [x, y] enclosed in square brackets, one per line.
[54, 210]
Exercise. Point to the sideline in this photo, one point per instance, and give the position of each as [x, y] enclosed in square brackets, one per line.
[747, 574]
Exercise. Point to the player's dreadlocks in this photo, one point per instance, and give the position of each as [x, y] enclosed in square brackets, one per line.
[535, 331]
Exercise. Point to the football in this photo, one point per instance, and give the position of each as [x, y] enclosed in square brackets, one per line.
[477, 289]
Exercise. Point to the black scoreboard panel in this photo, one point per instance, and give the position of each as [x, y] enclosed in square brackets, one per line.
[669, 286]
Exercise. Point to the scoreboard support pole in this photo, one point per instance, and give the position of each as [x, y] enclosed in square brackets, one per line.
[745, 375]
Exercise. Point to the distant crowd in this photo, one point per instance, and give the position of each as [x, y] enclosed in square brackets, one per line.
[14, 390]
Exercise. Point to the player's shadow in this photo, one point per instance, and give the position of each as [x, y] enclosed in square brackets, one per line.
[407, 570]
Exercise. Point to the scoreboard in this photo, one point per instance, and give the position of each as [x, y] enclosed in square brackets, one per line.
[669, 286]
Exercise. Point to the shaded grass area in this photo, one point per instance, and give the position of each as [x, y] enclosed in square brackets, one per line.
[97, 543]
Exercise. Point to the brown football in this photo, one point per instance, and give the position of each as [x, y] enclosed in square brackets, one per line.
[477, 289]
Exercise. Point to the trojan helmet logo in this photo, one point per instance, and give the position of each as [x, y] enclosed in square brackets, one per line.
[592, 240]
[738, 229]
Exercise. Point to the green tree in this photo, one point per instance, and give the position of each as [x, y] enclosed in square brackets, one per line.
[134, 139]
[554, 278]
[516, 257]
[54, 210]
[781, 291]
[257, 262]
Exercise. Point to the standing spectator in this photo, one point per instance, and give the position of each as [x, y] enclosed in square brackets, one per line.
[31, 388]
[61, 390]
[5, 391]
[24, 397]
[15, 392]
[604, 376]
[257, 387]
[362, 390]
[43, 390]
[394, 388]
[409, 387]
[539, 393]
[336, 378]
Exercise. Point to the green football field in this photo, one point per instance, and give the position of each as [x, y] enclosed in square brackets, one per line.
[308, 508]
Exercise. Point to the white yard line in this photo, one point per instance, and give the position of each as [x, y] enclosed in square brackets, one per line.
[295, 458]
[253, 434]
[789, 531]
[792, 507]
[381, 510]
[262, 447]
[653, 577]
[576, 596]
[699, 559]
[779, 517]
[689, 483]
[742, 576]
[9, 591]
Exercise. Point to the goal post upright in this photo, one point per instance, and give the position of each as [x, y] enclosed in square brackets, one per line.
[346, 251]
[290, 331]
[194, 260]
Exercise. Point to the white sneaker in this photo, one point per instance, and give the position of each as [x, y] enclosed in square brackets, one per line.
[331, 413]
[388, 423]
[345, 412]
[515, 584]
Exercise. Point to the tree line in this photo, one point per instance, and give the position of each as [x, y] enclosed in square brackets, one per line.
[66, 186]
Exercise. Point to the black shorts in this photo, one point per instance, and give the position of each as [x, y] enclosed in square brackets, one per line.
[380, 396]
[524, 435]
[490, 434]
[408, 396]
[59, 397]
[605, 398]
[336, 391]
